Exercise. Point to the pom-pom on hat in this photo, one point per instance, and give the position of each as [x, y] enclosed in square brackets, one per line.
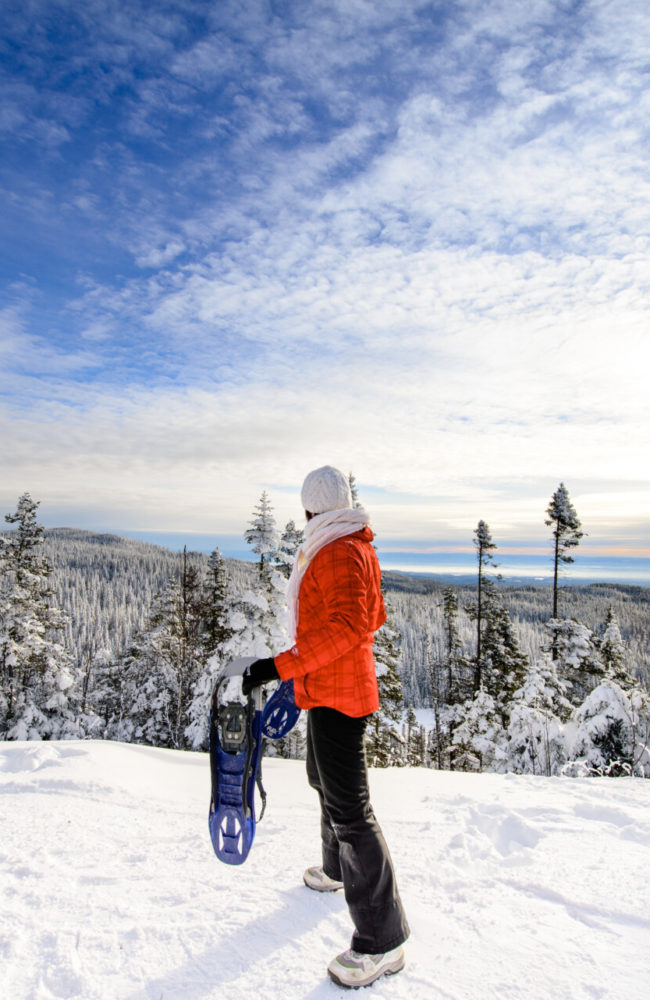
[325, 489]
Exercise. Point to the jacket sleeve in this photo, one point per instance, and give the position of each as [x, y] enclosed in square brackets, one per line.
[342, 580]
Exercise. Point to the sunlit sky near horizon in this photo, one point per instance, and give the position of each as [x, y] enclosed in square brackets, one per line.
[245, 239]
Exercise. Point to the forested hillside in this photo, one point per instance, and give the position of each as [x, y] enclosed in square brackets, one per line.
[107, 584]
[419, 616]
[105, 636]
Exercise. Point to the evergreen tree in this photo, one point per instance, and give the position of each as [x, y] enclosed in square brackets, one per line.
[414, 741]
[535, 731]
[566, 533]
[480, 740]
[383, 744]
[290, 542]
[216, 632]
[607, 728]
[503, 665]
[354, 490]
[262, 536]
[573, 646]
[106, 695]
[456, 666]
[613, 653]
[258, 616]
[484, 548]
[451, 676]
[38, 695]
[293, 746]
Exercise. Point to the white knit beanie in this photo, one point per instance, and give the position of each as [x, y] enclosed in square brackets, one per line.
[325, 489]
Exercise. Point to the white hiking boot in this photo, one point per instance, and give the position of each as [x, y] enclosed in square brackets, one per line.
[352, 970]
[315, 878]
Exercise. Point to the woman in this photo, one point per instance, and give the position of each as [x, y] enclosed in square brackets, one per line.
[335, 607]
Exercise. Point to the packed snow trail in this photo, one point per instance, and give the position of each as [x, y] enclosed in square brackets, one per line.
[516, 888]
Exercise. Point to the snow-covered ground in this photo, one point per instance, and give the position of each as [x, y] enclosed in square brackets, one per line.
[516, 887]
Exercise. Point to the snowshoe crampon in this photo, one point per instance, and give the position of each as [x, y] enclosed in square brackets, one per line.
[237, 730]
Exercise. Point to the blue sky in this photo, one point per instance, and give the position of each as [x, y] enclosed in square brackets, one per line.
[243, 239]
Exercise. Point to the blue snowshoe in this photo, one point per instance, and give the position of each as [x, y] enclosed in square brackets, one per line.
[237, 734]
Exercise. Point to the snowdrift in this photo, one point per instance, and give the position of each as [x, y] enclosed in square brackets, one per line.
[515, 887]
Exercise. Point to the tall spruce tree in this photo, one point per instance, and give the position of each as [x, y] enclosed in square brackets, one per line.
[566, 534]
[451, 676]
[262, 535]
[456, 666]
[39, 696]
[216, 632]
[484, 553]
[258, 615]
[503, 665]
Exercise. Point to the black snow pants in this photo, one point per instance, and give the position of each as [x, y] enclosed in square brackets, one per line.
[354, 849]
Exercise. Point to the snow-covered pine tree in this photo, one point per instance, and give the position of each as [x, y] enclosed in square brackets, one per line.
[354, 490]
[258, 616]
[484, 548]
[215, 613]
[573, 646]
[536, 742]
[451, 677]
[262, 536]
[503, 665]
[290, 542]
[611, 736]
[293, 746]
[413, 740]
[613, 652]
[38, 695]
[480, 737]
[566, 533]
[106, 695]
[457, 668]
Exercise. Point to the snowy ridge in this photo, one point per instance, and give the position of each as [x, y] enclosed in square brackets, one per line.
[516, 887]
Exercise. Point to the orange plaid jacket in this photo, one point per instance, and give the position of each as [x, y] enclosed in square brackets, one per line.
[340, 609]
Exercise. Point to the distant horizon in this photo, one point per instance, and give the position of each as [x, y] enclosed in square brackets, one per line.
[454, 562]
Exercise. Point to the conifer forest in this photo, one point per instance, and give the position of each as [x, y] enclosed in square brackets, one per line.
[104, 637]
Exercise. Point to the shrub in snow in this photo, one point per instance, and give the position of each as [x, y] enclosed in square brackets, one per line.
[611, 733]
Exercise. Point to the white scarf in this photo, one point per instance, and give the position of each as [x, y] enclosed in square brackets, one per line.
[320, 531]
